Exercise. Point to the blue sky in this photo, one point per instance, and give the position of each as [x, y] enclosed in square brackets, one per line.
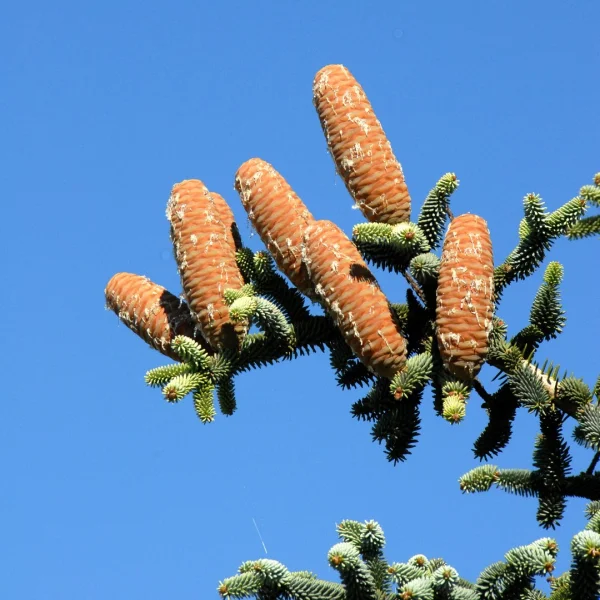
[111, 493]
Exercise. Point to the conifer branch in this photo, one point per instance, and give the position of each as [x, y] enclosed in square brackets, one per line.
[365, 573]
[415, 286]
[483, 393]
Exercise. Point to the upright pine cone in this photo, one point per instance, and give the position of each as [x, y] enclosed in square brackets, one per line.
[205, 254]
[353, 299]
[228, 220]
[362, 153]
[151, 312]
[278, 215]
[465, 295]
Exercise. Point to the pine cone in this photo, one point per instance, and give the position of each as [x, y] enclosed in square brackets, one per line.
[278, 215]
[228, 220]
[362, 153]
[353, 299]
[205, 254]
[465, 296]
[151, 312]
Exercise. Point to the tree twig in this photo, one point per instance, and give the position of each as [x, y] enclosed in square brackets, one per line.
[483, 393]
[415, 286]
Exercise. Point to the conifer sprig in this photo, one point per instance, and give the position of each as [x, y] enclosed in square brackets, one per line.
[537, 235]
[389, 246]
[434, 211]
[365, 573]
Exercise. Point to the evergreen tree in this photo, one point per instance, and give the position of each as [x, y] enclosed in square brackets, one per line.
[447, 329]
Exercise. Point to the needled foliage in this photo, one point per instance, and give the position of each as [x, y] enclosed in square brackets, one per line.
[440, 331]
[364, 573]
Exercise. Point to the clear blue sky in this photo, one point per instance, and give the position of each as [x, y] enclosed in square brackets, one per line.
[108, 492]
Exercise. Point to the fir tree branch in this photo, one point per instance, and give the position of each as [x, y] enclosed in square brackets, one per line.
[415, 286]
[483, 394]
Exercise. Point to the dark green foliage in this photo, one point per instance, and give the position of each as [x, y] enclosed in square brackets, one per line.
[226, 396]
[375, 403]
[245, 262]
[312, 334]
[399, 426]
[536, 239]
[552, 460]
[547, 317]
[350, 372]
[501, 409]
[355, 374]
[432, 218]
[257, 350]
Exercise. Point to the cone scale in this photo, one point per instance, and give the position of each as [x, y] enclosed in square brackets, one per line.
[278, 215]
[353, 299]
[150, 311]
[226, 215]
[465, 293]
[205, 254]
[360, 149]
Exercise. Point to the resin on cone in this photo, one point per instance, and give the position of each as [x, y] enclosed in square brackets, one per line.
[362, 153]
[278, 215]
[228, 220]
[353, 299]
[465, 296]
[151, 312]
[205, 255]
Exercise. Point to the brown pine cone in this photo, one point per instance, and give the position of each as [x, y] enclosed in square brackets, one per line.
[278, 215]
[465, 296]
[151, 312]
[228, 220]
[205, 255]
[353, 299]
[362, 153]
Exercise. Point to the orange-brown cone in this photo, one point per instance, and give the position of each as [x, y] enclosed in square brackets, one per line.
[353, 299]
[205, 255]
[465, 296]
[151, 312]
[278, 215]
[362, 153]
[228, 220]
